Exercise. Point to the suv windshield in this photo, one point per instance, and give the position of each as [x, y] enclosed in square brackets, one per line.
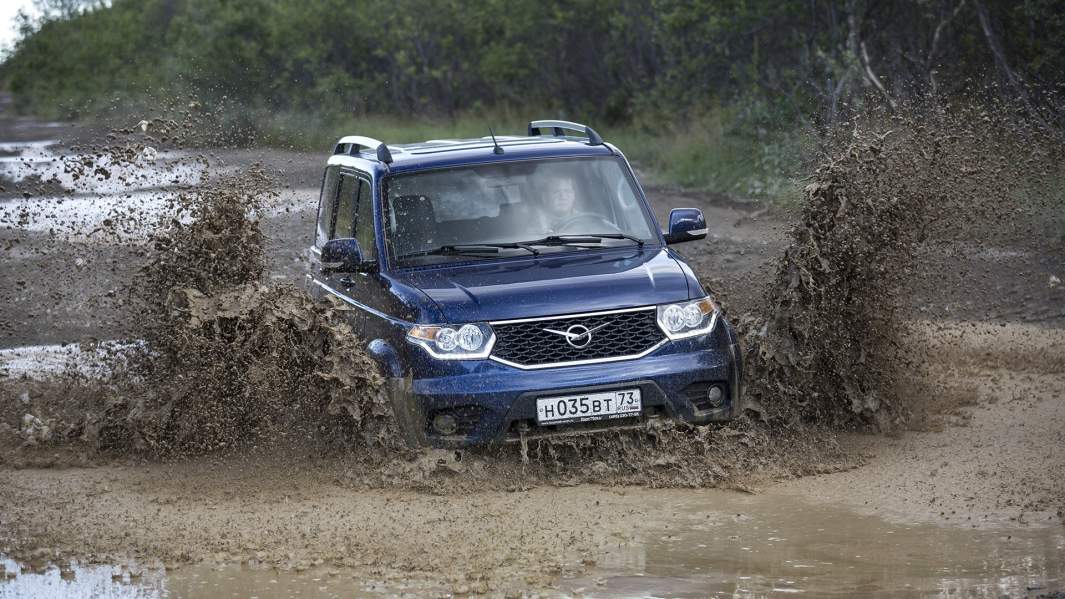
[509, 208]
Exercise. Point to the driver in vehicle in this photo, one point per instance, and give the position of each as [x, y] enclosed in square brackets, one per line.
[559, 203]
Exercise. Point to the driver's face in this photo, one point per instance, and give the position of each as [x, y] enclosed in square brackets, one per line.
[562, 197]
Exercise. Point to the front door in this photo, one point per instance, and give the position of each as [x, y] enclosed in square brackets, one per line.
[345, 211]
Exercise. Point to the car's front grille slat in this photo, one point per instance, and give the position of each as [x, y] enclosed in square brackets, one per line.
[613, 335]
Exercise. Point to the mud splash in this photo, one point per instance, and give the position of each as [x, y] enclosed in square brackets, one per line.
[894, 193]
[219, 360]
[744, 455]
[232, 361]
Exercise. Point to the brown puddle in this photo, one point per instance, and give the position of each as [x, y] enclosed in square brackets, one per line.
[778, 545]
[706, 543]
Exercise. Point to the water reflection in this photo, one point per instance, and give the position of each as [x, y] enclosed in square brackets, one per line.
[75, 580]
[202, 580]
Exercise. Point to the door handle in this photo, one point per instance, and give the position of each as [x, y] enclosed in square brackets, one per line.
[346, 281]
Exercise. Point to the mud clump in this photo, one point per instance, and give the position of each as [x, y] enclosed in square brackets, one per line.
[212, 243]
[895, 193]
[251, 366]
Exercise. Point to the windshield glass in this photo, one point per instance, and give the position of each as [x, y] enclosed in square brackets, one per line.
[506, 203]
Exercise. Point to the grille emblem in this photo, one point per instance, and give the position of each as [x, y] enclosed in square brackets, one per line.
[578, 335]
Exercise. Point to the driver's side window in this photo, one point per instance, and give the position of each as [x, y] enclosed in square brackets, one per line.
[344, 213]
[344, 196]
[364, 221]
[326, 203]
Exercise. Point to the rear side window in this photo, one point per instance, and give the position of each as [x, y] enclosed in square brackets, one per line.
[325, 206]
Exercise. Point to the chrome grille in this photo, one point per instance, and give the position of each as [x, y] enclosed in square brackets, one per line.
[615, 335]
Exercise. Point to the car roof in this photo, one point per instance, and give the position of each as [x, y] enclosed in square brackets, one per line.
[444, 153]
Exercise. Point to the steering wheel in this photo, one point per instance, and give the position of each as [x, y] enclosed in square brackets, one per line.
[587, 223]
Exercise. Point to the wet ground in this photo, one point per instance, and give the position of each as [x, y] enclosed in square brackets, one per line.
[969, 504]
[687, 544]
[969, 507]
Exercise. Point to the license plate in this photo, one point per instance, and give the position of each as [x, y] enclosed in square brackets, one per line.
[588, 406]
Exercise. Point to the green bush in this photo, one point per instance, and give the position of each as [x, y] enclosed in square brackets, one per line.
[716, 151]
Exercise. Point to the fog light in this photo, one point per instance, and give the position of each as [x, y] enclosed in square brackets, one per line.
[445, 424]
[715, 396]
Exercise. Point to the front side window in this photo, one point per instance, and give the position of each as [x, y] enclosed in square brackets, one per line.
[344, 216]
[326, 204]
[456, 213]
[364, 231]
[345, 210]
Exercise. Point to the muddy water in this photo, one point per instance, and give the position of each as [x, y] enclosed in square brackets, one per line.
[705, 543]
[768, 546]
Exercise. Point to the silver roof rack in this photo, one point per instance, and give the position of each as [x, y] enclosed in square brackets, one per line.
[558, 128]
[354, 144]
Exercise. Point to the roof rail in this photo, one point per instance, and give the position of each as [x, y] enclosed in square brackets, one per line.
[558, 126]
[353, 144]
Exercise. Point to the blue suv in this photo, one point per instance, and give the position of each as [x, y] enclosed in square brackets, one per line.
[520, 286]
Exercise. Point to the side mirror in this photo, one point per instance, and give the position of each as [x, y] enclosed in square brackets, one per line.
[685, 224]
[342, 255]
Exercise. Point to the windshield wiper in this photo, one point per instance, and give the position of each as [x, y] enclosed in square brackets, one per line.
[470, 249]
[582, 238]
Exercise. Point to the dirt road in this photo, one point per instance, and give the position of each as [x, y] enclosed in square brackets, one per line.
[984, 471]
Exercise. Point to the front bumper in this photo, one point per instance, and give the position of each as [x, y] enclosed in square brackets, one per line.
[496, 403]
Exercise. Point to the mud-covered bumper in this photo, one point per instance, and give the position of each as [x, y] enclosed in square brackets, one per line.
[492, 402]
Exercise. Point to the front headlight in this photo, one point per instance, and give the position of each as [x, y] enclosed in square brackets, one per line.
[453, 342]
[688, 319]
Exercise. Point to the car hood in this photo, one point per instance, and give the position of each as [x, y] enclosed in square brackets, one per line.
[550, 285]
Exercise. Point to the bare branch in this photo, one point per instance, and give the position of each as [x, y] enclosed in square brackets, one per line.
[995, 46]
[934, 46]
[872, 78]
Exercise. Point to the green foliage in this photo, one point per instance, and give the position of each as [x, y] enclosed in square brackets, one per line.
[710, 92]
[715, 151]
